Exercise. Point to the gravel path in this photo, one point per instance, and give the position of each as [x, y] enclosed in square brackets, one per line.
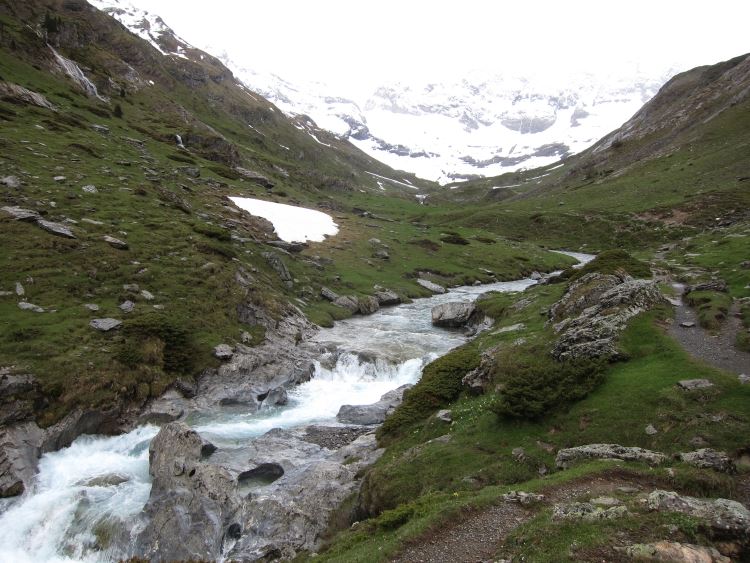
[717, 350]
[479, 536]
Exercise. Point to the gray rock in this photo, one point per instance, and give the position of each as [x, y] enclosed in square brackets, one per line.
[21, 214]
[743, 378]
[11, 181]
[707, 458]
[375, 413]
[687, 324]
[726, 517]
[479, 379]
[127, 306]
[567, 456]
[167, 408]
[92, 221]
[587, 512]
[255, 177]
[594, 331]
[444, 415]
[605, 501]
[90, 189]
[583, 293]
[367, 305]
[107, 480]
[24, 306]
[115, 242]
[453, 314]
[381, 254]
[328, 294]
[651, 430]
[147, 295]
[104, 325]
[431, 286]
[59, 178]
[536, 276]
[522, 498]
[674, 552]
[276, 397]
[713, 285]
[20, 291]
[294, 246]
[93, 307]
[56, 228]
[278, 266]
[692, 384]
[223, 352]
[190, 171]
[387, 297]
[347, 302]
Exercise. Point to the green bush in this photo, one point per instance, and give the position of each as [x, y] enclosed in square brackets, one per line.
[440, 384]
[533, 383]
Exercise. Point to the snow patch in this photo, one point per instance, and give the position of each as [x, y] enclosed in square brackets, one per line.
[292, 223]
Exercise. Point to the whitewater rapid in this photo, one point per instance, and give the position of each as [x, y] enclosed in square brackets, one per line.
[100, 484]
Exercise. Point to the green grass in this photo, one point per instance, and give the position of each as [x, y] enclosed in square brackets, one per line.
[712, 307]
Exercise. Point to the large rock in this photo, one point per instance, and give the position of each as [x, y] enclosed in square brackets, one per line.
[56, 228]
[367, 305]
[375, 413]
[20, 95]
[328, 294]
[115, 242]
[254, 176]
[387, 297]
[104, 325]
[479, 379]
[568, 456]
[278, 266]
[191, 501]
[706, 458]
[347, 302]
[587, 511]
[674, 552]
[21, 214]
[726, 518]
[592, 334]
[431, 286]
[582, 294]
[454, 314]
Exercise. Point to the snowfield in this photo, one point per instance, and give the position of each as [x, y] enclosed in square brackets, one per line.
[292, 224]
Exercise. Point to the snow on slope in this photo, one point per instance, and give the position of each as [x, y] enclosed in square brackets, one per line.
[292, 224]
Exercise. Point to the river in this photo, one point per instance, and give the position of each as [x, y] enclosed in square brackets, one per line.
[99, 477]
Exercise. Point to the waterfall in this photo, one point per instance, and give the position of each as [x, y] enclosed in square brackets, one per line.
[74, 72]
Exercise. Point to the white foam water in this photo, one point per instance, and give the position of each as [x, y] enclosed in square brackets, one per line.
[100, 484]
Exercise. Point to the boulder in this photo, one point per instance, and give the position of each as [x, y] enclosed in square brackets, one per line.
[328, 294]
[692, 384]
[479, 379]
[223, 352]
[431, 286]
[706, 458]
[26, 306]
[127, 306]
[21, 214]
[444, 415]
[278, 266]
[56, 228]
[93, 307]
[254, 177]
[104, 325]
[592, 334]
[115, 242]
[582, 294]
[387, 297]
[713, 285]
[726, 518]
[743, 378]
[651, 430]
[567, 456]
[586, 511]
[20, 95]
[452, 315]
[276, 397]
[347, 302]
[375, 413]
[522, 498]
[90, 189]
[674, 552]
[367, 305]
[11, 182]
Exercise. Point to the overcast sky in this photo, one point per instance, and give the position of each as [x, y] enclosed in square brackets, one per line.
[343, 42]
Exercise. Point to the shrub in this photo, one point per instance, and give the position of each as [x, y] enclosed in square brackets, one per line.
[158, 340]
[533, 383]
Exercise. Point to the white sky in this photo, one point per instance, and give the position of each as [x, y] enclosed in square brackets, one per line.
[363, 43]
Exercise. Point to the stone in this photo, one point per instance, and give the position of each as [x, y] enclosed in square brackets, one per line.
[347, 302]
[651, 430]
[59, 178]
[107, 480]
[21, 95]
[444, 415]
[167, 408]
[713, 285]
[277, 264]
[522, 498]
[10, 181]
[56, 228]
[255, 177]
[294, 246]
[25, 306]
[674, 552]
[20, 291]
[367, 305]
[104, 325]
[92, 221]
[687, 324]
[190, 171]
[90, 189]
[21, 214]
[431, 286]
[743, 378]
[328, 294]
[93, 307]
[706, 458]
[375, 413]
[223, 352]
[127, 306]
[567, 456]
[692, 384]
[605, 501]
[185, 388]
[387, 297]
[147, 295]
[276, 397]
[452, 315]
[519, 454]
[593, 333]
[115, 242]
[131, 287]
[587, 512]
[381, 254]
[725, 517]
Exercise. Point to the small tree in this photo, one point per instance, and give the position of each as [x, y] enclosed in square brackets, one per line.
[118, 111]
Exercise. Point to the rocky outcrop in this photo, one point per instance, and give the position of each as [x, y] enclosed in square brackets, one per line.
[725, 518]
[587, 511]
[452, 315]
[674, 552]
[582, 294]
[278, 266]
[431, 286]
[21, 214]
[387, 297]
[566, 457]
[706, 458]
[375, 413]
[20, 95]
[593, 333]
[479, 379]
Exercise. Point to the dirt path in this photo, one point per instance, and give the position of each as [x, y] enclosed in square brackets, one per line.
[717, 350]
[480, 535]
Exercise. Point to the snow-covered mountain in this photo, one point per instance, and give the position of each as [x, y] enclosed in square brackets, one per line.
[448, 130]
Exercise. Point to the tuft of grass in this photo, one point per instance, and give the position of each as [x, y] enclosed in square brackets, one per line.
[712, 307]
